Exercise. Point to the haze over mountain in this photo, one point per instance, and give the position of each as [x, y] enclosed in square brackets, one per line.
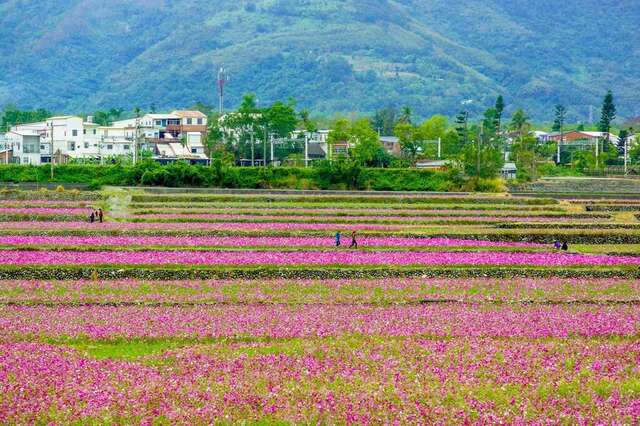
[330, 55]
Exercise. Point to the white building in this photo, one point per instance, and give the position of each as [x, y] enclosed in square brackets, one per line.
[71, 137]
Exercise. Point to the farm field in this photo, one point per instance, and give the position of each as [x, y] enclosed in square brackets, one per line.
[196, 308]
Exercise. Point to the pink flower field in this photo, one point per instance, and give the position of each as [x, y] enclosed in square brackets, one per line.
[245, 318]
[315, 258]
[246, 241]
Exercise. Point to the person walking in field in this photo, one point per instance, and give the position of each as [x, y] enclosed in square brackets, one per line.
[100, 215]
[338, 237]
[557, 245]
[92, 216]
[354, 242]
[565, 246]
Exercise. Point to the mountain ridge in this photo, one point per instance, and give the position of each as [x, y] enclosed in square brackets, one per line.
[330, 55]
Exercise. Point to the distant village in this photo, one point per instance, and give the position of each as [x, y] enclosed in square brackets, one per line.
[166, 137]
[181, 136]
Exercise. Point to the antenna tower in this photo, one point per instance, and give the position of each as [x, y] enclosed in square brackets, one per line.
[223, 79]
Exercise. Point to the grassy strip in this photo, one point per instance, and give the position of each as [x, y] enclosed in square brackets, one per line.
[344, 206]
[313, 198]
[132, 349]
[377, 213]
[199, 272]
[329, 220]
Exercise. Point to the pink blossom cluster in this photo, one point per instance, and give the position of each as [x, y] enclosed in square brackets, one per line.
[281, 321]
[44, 210]
[408, 381]
[318, 258]
[54, 203]
[222, 226]
[246, 241]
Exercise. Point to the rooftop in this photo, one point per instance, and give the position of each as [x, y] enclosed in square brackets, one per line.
[189, 114]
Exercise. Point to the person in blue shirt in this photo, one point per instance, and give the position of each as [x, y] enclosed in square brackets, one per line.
[338, 236]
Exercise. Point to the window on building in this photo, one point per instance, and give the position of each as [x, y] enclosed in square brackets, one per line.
[127, 147]
[194, 151]
[158, 122]
[84, 131]
[110, 147]
[94, 131]
[71, 146]
[86, 145]
[43, 147]
[74, 133]
[189, 121]
[30, 148]
[200, 121]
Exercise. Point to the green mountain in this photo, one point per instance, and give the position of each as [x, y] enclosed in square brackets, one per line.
[330, 55]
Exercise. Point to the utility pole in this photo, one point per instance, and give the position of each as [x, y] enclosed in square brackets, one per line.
[439, 148]
[52, 151]
[136, 141]
[253, 154]
[271, 141]
[306, 149]
[264, 148]
[626, 156]
[478, 145]
[100, 149]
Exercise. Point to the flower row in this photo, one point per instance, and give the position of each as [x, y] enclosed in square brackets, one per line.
[245, 241]
[249, 257]
[280, 321]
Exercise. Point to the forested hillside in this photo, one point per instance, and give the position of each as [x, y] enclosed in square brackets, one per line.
[330, 55]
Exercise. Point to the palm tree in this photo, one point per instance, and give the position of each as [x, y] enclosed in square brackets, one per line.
[520, 123]
[405, 115]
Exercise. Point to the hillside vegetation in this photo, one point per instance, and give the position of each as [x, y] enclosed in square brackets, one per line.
[330, 55]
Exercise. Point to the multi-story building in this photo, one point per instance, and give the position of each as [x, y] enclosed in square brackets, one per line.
[72, 137]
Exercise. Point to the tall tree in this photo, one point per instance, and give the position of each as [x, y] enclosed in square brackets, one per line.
[462, 126]
[520, 123]
[607, 115]
[499, 108]
[558, 126]
[384, 121]
[560, 118]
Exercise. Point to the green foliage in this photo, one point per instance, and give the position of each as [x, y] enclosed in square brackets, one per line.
[384, 121]
[340, 174]
[105, 118]
[482, 160]
[527, 154]
[365, 141]
[11, 116]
